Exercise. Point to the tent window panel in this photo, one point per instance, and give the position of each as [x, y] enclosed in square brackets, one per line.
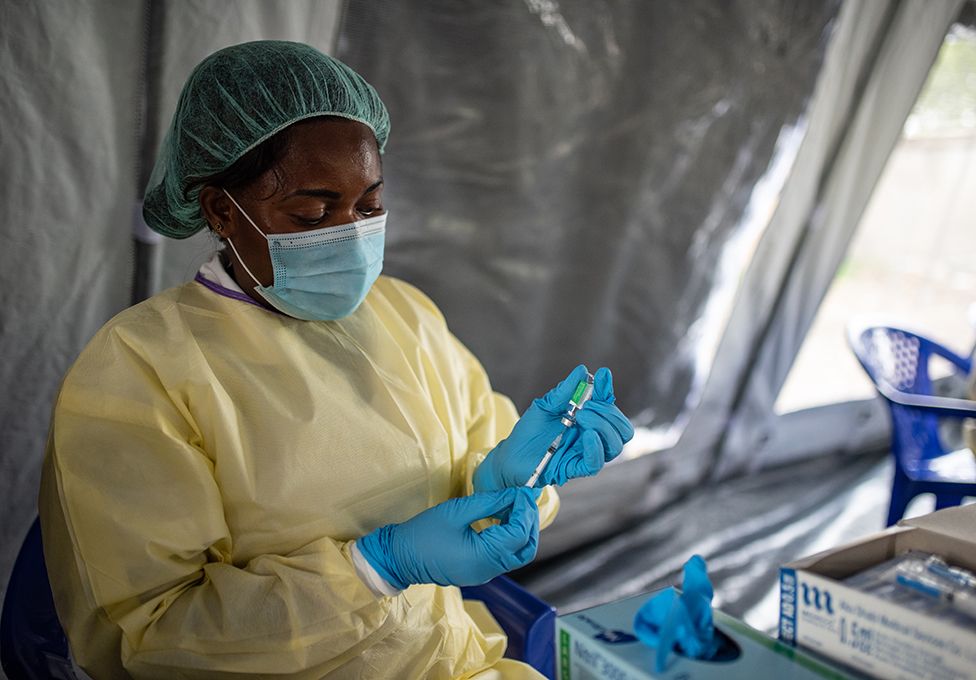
[912, 261]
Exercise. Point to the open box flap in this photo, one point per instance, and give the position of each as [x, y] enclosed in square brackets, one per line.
[958, 523]
[950, 533]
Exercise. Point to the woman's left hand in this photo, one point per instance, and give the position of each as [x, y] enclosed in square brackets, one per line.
[599, 435]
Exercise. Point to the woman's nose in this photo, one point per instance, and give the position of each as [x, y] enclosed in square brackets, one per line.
[344, 216]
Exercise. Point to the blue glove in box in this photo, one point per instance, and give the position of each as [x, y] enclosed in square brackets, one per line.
[600, 643]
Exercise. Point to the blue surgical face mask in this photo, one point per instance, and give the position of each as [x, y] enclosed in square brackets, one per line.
[324, 274]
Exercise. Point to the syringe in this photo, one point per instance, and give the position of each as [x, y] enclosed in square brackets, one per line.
[582, 394]
[932, 576]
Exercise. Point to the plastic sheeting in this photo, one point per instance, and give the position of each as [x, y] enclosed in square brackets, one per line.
[564, 177]
[67, 121]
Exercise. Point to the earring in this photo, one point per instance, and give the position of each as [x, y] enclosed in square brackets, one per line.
[219, 228]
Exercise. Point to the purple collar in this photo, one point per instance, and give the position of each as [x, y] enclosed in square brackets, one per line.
[226, 292]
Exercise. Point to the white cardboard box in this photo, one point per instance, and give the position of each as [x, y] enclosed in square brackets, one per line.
[873, 635]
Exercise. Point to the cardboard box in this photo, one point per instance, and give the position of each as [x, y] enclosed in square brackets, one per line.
[599, 643]
[871, 634]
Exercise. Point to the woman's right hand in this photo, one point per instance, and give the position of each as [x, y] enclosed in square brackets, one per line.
[599, 435]
[439, 546]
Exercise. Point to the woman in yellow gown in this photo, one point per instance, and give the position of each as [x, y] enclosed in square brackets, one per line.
[272, 470]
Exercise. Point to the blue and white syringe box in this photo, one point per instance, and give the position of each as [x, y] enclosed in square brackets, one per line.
[599, 643]
[876, 636]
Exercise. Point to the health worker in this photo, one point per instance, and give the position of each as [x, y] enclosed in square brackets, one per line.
[273, 470]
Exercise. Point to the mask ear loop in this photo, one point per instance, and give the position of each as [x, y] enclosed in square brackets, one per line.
[234, 248]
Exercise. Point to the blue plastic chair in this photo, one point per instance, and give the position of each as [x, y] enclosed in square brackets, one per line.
[32, 643]
[529, 623]
[897, 362]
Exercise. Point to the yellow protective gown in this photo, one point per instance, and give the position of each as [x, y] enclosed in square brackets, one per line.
[210, 462]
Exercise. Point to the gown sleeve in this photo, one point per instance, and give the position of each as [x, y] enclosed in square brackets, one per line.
[488, 416]
[135, 535]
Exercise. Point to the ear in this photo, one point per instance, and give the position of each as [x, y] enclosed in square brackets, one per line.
[217, 210]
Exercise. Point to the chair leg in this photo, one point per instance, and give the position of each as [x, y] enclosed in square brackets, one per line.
[900, 498]
[947, 500]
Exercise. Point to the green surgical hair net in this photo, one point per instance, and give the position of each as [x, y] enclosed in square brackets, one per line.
[237, 98]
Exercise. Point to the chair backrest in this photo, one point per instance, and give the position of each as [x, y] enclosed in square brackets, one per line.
[32, 643]
[899, 359]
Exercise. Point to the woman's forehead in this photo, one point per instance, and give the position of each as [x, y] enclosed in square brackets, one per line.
[329, 152]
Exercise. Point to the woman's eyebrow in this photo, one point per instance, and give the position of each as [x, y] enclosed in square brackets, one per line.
[317, 193]
[328, 193]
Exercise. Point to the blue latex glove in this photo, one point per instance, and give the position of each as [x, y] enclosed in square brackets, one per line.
[683, 619]
[598, 437]
[439, 546]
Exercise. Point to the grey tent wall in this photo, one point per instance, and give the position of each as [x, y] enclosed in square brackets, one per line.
[564, 178]
[68, 110]
[146, 244]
